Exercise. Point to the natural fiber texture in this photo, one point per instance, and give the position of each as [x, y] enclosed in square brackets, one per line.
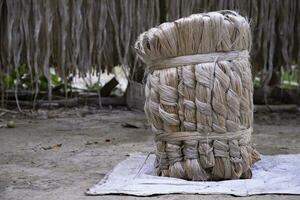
[77, 36]
[196, 58]
[202, 113]
[73, 36]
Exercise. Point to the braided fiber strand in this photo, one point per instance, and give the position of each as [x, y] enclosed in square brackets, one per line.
[171, 123]
[199, 96]
[193, 168]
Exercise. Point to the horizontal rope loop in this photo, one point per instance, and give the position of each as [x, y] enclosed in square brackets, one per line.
[196, 59]
[204, 137]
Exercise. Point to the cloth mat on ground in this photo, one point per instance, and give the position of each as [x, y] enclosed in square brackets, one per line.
[277, 174]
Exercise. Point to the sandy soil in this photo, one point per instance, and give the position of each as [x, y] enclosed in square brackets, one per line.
[33, 165]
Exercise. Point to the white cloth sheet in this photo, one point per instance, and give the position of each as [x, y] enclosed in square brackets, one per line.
[278, 174]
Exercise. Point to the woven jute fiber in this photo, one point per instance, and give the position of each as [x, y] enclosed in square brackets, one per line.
[199, 96]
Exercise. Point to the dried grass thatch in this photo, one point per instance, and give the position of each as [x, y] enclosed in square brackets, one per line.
[275, 30]
[80, 36]
[74, 36]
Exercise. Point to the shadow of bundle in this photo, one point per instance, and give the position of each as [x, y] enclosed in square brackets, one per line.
[199, 96]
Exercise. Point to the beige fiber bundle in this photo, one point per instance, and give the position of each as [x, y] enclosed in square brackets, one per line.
[199, 96]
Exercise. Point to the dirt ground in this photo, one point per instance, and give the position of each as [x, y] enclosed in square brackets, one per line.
[58, 154]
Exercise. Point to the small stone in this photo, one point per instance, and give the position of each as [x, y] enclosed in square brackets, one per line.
[11, 124]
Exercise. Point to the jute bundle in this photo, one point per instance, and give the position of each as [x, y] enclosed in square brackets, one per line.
[199, 96]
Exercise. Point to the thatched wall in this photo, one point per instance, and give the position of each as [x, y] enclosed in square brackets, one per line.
[78, 36]
[275, 29]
